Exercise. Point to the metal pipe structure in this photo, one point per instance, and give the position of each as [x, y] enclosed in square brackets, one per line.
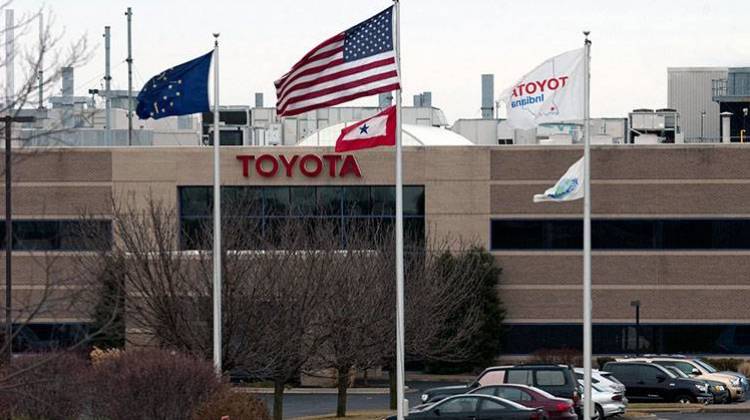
[217, 219]
[40, 73]
[401, 406]
[107, 86]
[129, 14]
[10, 53]
[8, 246]
[587, 304]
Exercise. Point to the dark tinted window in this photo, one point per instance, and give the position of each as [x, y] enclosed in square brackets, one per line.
[413, 201]
[619, 339]
[547, 377]
[543, 234]
[459, 405]
[623, 234]
[520, 376]
[59, 235]
[383, 201]
[357, 201]
[491, 405]
[513, 394]
[649, 374]
[276, 201]
[624, 373]
[329, 200]
[352, 211]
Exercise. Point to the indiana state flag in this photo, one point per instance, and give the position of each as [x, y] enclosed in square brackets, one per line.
[180, 90]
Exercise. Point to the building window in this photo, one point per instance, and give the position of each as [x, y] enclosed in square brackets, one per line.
[352, 210]
[59, 235]
[621, 338]
[621, 234]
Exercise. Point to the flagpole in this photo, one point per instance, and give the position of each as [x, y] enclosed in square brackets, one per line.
[587, 304]
[217, 219]
[400, 406]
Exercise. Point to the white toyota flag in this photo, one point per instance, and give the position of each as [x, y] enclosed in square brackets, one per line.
[568, 188]
[552, 92]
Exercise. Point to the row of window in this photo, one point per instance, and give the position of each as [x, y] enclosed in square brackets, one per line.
[59, 235]
[520, 338]
[302, 201]
[626, 338]
[264, 212]
[196, 231]
[551, 234]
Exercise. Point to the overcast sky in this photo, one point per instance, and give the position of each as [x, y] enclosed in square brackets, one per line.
[446, 45]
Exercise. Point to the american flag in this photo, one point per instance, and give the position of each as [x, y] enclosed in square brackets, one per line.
[358, 62]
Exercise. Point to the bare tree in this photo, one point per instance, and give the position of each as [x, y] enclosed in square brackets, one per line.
[360, 310]
[273, 279]
[40, 56]
[41, 53]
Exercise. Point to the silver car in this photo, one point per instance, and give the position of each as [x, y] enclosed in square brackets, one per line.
[601, 378]
[607, 402]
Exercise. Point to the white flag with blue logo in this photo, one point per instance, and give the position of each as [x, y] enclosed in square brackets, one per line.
[569, 187]
[551, 93]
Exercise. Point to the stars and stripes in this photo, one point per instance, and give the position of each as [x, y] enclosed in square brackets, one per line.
[358, 62]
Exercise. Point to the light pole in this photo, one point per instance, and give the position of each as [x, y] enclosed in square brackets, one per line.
[637, 305]
[8, 342]
[703, 117]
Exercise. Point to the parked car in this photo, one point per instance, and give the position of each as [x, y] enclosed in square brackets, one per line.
[646, 381]
[717, 389]
[607, 402]
[478, 407]
[711, 369]
[557, 380]
[605, 379]
[696, 370]
[555, 408]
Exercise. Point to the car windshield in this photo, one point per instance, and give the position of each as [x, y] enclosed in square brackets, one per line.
[706, 365]
[676, 372]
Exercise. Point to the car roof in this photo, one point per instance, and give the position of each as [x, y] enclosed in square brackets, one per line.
[527, 366]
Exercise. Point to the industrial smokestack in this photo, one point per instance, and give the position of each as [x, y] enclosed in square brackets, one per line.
[488, 96]
[9, 53]
[68, 82]
[259, 99]
[40, 75]
[427, 99]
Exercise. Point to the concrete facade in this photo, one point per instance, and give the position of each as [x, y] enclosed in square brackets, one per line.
[465, 189]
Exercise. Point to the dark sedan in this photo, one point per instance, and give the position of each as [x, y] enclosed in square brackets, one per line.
[477, 407]
[554, 407]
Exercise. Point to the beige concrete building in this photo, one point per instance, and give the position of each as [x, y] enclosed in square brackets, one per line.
[671, 226]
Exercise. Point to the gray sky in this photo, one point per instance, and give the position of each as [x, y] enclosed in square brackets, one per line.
[446, 45]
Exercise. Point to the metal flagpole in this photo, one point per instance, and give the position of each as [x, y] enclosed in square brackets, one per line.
[588, 406]
[129, 14]
[400, 403]
[217, 217]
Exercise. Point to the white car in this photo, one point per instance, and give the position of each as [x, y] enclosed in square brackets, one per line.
[607, 402]
[602, 379]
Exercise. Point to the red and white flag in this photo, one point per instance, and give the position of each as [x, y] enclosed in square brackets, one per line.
[378, 130]
[361, 61]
